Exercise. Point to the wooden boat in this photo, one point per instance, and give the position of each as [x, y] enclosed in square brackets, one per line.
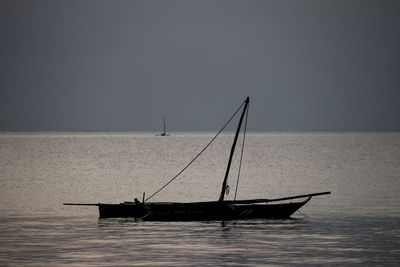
[209, 210]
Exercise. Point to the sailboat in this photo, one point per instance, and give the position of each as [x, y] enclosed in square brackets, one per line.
[220, 209]
[164, 132]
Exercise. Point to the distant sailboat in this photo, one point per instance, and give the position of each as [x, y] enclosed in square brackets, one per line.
[164, 132]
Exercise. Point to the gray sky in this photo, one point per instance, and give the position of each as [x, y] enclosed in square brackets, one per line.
[122, 65]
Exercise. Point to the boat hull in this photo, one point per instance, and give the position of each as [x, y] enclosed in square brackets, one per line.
[198, 211]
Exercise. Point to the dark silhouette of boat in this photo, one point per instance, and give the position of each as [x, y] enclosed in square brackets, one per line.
[164, 132]
[210, 210]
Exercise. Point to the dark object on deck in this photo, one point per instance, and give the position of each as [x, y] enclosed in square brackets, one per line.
[210, 210]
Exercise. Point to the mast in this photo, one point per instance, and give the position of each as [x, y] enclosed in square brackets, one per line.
[164, 131]
[221, 197]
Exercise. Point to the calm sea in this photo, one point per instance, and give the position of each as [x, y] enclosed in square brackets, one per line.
[358, 224]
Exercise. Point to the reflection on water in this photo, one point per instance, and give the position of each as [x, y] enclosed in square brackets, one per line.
[359, 224]
[84, 241]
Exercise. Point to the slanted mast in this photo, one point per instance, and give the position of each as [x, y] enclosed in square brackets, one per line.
[245, 108]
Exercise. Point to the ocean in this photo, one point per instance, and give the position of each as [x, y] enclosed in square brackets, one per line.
[358, 224]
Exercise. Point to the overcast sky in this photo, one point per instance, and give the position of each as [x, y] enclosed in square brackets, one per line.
[122, 65]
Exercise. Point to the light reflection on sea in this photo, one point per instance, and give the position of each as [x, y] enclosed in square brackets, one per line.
[359, 224]
[122, 242]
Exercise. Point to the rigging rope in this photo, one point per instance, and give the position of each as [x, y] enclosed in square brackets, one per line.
[241, 153]
[176, 176]
[303, 214]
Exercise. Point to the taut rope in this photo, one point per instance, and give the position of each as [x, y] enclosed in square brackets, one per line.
[176, 176]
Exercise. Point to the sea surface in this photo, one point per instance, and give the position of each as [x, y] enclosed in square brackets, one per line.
[358, 224]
